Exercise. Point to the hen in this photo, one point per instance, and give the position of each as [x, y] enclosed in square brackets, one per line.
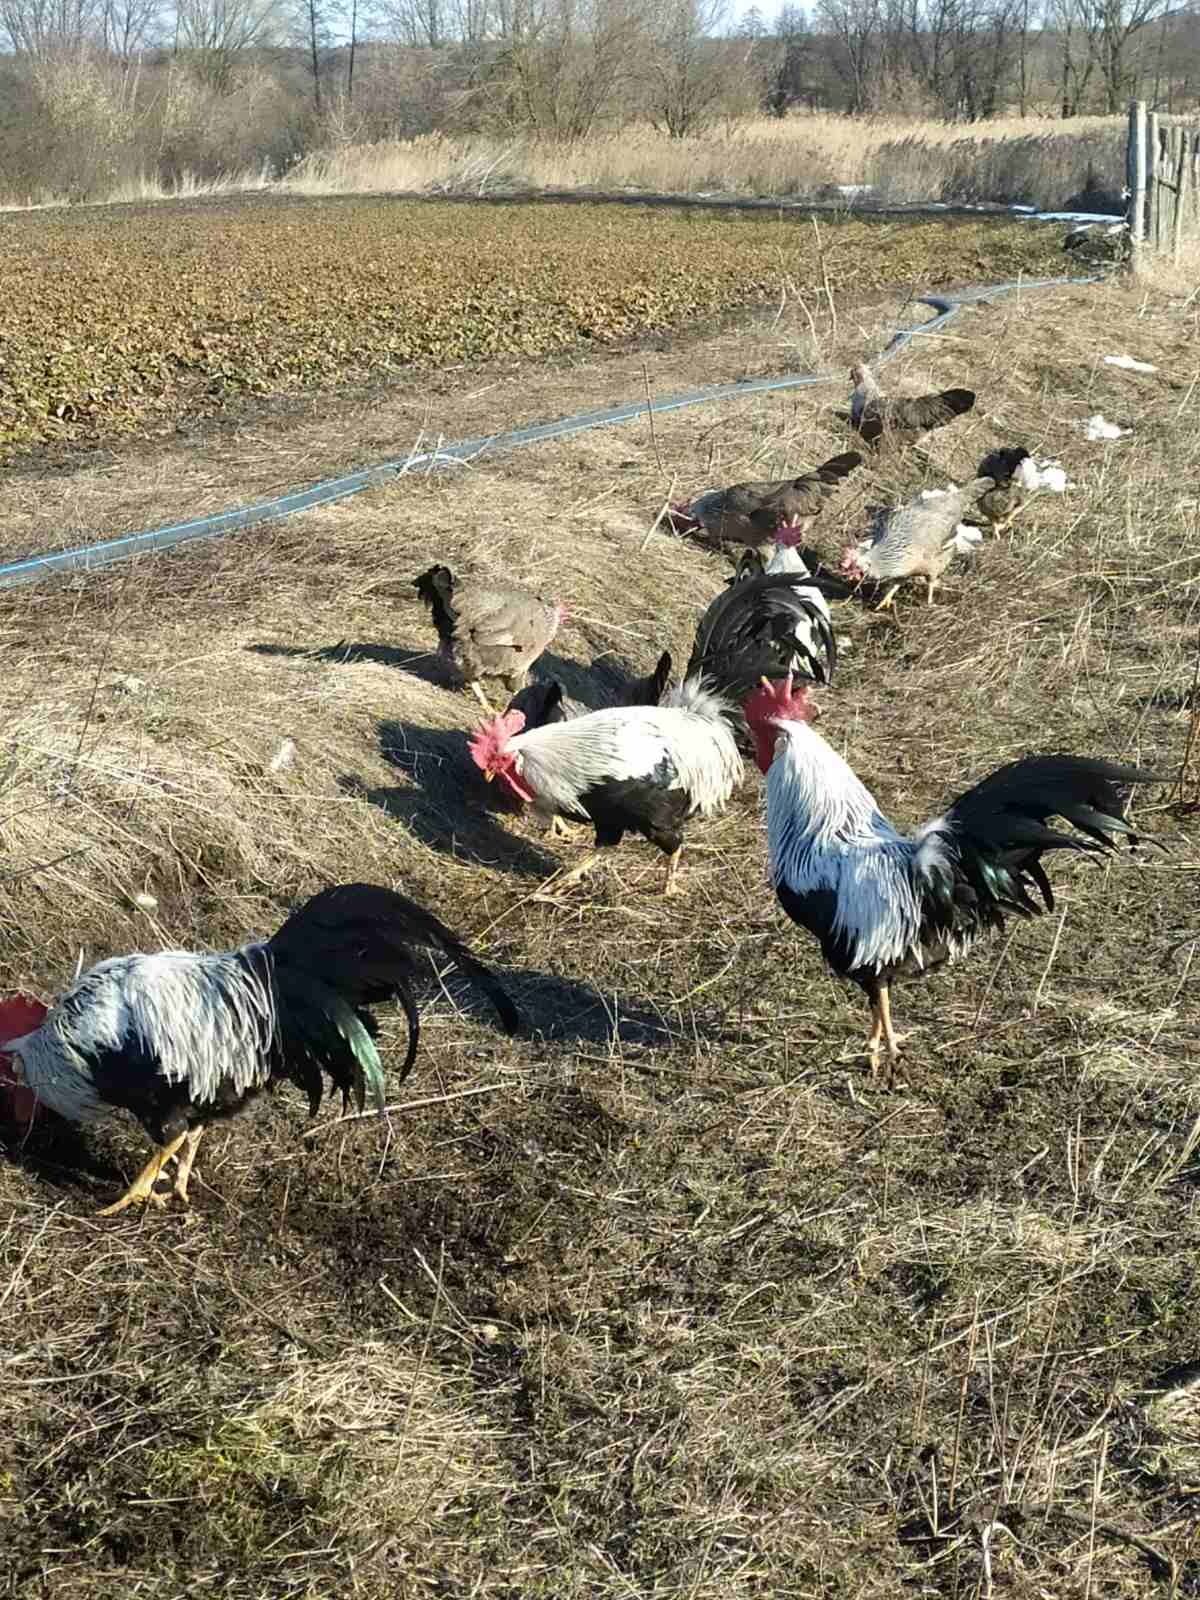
[637, 769]
[182, 1037]
[880, 418]
[751, 513]
[487, 629]
[918, 540]
[1017, 476]
[885, 905]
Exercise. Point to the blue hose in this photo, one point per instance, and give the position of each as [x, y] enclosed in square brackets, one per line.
[89, 558]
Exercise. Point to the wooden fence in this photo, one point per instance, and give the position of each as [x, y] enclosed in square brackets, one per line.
[1163, 165]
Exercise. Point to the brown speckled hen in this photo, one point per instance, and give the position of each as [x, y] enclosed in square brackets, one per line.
[488, 628]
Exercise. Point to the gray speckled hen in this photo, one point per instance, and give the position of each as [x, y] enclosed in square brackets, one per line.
[488, 629]
[752, 513]
[902, 419]
[918, 540]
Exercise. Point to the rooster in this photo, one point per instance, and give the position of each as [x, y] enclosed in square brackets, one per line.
[636, 769]
[486, 629]
[544, 702]
[886, 905]
[751, 513]
[918, 540]
[905, 419]
[181, 1038]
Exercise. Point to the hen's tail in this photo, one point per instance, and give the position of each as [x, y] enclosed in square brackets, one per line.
[350, 947]
[835, 470]
[765, 627]
[436, 588]
[648, 691]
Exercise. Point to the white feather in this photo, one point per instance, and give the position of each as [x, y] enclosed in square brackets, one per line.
[205, 1020]
[825, 831]
[787, 559]
[562, 761]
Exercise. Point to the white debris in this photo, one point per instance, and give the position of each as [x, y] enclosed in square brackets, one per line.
[1097, 428]
[937, 494]
[1034, 474]
[283, 757]
[1128, 364]
[145, 902]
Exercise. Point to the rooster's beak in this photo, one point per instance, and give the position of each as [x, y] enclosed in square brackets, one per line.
[488, 776]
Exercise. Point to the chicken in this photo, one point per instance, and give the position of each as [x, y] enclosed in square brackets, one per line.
[181, 1038]
[1017, 476]
[750, 513]
[918, 540]
[785, 558]
[765, 626]
[486, 629]
[886, 905]
[636, 769]
[881, 419]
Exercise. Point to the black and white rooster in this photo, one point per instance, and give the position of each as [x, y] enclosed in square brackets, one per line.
[886, 905]
[182, 1037]
[626, 769]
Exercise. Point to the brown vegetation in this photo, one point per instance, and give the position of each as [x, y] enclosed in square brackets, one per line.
[111, 326]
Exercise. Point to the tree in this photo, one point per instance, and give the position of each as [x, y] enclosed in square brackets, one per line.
[684, 78]
[46, 28]
[789, 81]
[856, 26]
[216, 31]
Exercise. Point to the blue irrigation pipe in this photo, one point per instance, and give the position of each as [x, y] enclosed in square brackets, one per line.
[91, 557]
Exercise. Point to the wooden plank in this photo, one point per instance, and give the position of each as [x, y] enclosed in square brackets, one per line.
[1135, 163]
[1182, 155]
[1152, 151]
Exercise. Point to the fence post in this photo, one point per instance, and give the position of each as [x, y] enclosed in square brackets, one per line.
[1180, 152]
[1135, 164]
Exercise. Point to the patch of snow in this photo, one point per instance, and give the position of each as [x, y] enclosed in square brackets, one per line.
[854, 188]
[1077, 216]
[1128, 364]
[1097, 428]
[937, 494]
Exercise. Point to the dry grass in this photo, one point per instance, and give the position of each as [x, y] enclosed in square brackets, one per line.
[680, 1307]
[1035, 160]
[1012, 159]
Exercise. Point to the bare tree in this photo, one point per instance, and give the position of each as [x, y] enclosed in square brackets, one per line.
[130, 26]
[46, 28]
[856, 27]
[214, 32]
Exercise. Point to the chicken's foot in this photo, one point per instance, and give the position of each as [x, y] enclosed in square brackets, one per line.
[477, 690]
[886, 603]
[883, 1035]
[184, 1160]
[576, 874]
[142, 1188]
[672, 871]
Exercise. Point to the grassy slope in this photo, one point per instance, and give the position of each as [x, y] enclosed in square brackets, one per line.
[680, 1307]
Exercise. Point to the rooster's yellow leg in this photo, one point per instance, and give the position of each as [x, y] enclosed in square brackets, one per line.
[477, 691]
[142, 1187]
[930, 586]
[184, 1160]
[558, 828]
[672, 871]
[885, 603]
[884, 1032]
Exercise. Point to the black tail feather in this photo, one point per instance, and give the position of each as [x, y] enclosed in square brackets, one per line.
[436, 588]
[356, 938]
[749, 633]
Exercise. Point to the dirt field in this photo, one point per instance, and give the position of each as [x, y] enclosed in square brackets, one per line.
[662, 1299]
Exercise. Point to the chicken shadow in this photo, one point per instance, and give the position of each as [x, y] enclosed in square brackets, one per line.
[426, 665]
[445, 803]
[59, 1155]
